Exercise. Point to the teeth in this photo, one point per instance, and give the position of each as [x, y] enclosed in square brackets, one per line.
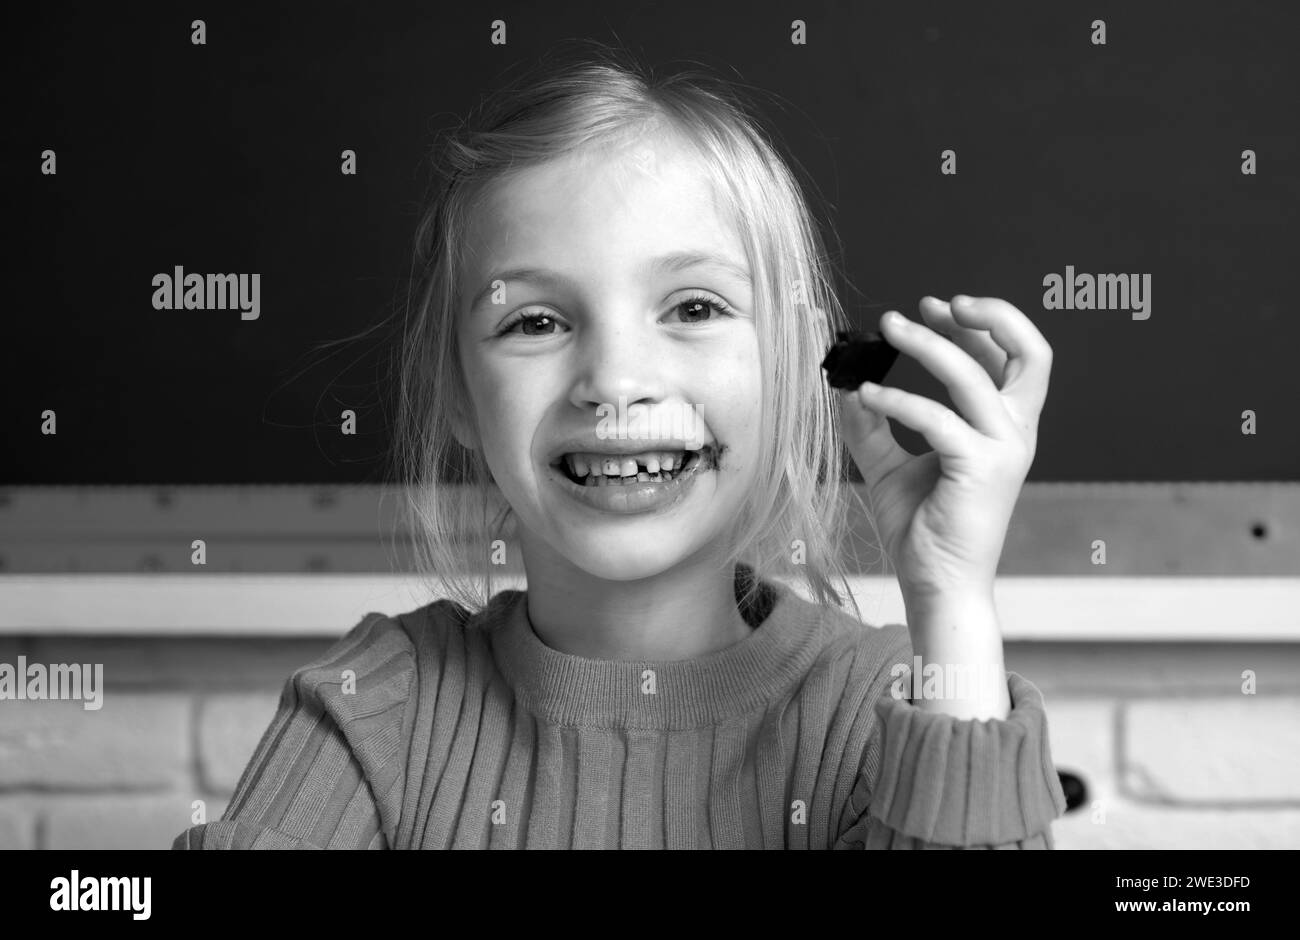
[650, 463]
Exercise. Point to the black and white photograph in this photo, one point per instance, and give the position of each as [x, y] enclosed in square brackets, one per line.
[677, 426]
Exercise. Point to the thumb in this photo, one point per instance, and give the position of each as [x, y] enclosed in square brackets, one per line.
[868, 437]
[859, 421]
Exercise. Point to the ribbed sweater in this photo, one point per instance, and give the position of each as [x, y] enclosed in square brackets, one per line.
[441, 728]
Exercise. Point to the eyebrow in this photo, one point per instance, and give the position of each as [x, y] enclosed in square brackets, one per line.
[672, 263]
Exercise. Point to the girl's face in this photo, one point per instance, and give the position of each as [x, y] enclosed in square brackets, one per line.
[621, 269]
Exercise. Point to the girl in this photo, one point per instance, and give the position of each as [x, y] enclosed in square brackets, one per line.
[618, 346]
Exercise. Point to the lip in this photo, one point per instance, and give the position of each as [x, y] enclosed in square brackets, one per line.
[629, 498]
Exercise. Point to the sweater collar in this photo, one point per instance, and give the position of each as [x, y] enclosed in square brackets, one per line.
[691, 693]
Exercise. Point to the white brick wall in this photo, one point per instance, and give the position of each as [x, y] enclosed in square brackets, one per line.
[1125, 824]
[110, 822]
[1233, 752]
[132, 742]
[229, 728]
[1179, 773]
[17, 827]
[1172, 754]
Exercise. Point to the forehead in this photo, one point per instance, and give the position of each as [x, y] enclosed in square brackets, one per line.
[608, 205]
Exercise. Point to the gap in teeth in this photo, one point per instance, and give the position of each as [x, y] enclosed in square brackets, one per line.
[654, 465]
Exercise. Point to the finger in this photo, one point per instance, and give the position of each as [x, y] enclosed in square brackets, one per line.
[972, 389]
[938, 316]
[942, 428]
[1029, 356]
[869, 439]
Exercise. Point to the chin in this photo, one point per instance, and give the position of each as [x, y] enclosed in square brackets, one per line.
[626, 563]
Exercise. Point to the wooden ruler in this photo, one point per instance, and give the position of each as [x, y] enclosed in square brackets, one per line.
[1148, 529]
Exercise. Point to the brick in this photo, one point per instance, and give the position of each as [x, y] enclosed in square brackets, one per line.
[229, 728]
[1227, 750]
[132, 742]
[1082, 733]
[17, 825]
[119, 822]
[1129, 825]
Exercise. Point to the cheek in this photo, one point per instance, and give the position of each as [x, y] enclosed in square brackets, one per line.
[510, 414]
[736, 388]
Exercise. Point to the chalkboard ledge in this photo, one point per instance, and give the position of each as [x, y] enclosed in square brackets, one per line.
[1072, 530]
[1054, 609]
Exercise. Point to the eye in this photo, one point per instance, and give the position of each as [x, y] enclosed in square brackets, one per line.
[694, 309]
[535, 324]
[698, 304]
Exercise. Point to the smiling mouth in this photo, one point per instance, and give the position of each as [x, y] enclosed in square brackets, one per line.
[656, 466]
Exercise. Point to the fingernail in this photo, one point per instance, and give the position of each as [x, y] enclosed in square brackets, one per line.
[962, 300]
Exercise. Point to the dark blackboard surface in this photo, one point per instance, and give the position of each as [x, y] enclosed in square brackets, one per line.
[224, 158]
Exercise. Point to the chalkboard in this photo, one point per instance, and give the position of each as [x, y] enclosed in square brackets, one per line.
[1117, 157]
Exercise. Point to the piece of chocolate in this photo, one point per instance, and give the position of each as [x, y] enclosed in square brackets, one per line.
[858, 357]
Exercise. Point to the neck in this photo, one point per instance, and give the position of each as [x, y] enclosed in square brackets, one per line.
[685, 612]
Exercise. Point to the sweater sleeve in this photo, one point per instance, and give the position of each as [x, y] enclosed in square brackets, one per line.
[932, 781]
[328, 772]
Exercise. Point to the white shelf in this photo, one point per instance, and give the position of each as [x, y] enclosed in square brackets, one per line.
[1031, 608]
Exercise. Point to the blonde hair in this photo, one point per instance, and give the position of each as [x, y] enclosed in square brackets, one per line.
[601, 97]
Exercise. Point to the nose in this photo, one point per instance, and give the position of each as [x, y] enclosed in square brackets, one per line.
[619, 360]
